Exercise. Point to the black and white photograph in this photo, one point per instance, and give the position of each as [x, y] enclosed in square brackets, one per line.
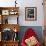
[31, 13]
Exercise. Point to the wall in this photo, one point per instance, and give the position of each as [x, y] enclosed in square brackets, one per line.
[31, 3]
[26, 3]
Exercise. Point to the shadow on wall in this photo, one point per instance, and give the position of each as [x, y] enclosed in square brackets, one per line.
[37, 29]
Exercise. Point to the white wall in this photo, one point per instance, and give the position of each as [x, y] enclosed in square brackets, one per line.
[27, 3]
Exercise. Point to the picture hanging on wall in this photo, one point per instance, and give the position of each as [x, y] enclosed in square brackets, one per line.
[30, 13]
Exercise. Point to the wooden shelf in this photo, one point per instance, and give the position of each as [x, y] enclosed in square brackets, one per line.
[4, 13]
[9, 9]
[9, 43]
[11, 26]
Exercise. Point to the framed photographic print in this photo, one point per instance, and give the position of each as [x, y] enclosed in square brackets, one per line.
[30, 13]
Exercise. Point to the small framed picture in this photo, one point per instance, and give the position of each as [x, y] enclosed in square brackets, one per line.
[30, 13]
[5, 12]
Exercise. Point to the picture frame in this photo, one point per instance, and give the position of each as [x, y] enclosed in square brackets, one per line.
[5, 12]
[30, 13]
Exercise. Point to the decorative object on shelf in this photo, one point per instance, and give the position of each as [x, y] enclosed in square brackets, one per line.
[6, 21]
[5, 12]
[7, 34]
[13, 12]
[15, 3]
[15, 30]
[15, 37]
[30, 13]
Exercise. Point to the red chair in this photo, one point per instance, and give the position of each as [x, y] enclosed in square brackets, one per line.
[29, 33]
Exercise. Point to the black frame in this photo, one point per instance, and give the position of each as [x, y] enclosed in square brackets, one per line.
[30, 13]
